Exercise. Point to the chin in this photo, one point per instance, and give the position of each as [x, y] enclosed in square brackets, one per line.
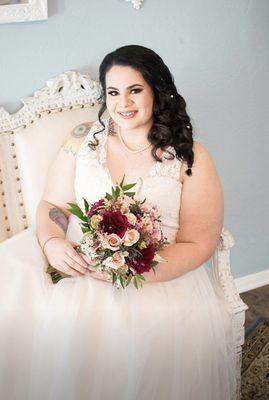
[132, 122]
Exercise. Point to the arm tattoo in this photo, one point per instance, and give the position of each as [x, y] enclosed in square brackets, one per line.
[59, 218]
[72, 144]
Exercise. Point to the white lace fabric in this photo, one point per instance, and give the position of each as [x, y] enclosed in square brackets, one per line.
[93, 172]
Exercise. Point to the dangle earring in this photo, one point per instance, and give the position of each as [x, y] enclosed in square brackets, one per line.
[112, 127]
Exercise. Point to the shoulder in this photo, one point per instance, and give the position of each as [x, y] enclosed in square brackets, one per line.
[76, 137]
[81, 130]
[203, 162]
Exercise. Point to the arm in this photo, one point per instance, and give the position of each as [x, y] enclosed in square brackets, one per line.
[51, 221]
[52, 215]
[201, 220]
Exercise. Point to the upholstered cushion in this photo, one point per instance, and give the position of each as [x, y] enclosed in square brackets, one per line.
[36, 147]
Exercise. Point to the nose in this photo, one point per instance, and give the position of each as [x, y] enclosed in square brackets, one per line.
[125, 100]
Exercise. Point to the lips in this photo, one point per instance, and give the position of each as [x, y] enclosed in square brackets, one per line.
[127, 115]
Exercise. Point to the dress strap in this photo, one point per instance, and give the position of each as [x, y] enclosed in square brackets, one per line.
[168, 167]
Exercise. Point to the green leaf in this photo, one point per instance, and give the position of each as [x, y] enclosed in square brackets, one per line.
[85, 224]
[114, 277]
[141, 277]
[72, 204]
[135, 282]
[84, 230]
[129, 279]
[86, 205]
[129, 186]
[122, 181]
[117, 192]
[130, 194]
[122, 281]
[108, 196]
[76, 210]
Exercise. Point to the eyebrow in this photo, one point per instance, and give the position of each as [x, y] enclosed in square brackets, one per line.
[129, 87]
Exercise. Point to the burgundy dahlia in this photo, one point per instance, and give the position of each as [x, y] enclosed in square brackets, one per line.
[142, 263]
[114, 222]
[95, 206]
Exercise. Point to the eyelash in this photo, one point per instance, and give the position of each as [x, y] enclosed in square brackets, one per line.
[114, 91]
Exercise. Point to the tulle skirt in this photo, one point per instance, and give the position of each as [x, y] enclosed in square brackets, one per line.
[85, 339]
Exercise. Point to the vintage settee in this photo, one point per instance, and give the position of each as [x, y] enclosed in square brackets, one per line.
[29, 141]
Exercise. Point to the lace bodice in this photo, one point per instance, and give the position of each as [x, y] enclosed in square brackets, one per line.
[161, 186]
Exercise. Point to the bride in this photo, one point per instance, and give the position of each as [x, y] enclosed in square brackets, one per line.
[83, 338]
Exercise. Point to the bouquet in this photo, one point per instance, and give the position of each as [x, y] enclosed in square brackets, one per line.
[121, 235]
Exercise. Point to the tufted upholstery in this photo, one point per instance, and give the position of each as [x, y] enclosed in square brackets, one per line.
[25, 157]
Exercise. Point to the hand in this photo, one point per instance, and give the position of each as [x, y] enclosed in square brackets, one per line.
[104, 276]
[61, 254]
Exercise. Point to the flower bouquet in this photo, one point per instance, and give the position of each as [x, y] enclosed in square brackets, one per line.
[121, 236]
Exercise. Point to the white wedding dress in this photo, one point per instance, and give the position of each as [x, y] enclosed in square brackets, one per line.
[83, 339]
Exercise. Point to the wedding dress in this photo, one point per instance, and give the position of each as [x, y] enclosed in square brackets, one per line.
[83, 339]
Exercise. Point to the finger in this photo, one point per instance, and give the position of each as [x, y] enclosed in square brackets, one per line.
[74, 244]
[75, 256]
[69, 270]
[74, 265]
[101, 275]
[89, 261]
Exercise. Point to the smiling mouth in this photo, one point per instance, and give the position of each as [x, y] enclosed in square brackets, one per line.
[128, 114]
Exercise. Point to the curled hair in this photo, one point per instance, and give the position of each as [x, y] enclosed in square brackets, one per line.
[171, 123]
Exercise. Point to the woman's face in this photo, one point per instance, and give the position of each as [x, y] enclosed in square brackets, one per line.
[128, 92]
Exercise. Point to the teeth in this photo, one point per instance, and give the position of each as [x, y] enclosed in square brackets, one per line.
[128, 113]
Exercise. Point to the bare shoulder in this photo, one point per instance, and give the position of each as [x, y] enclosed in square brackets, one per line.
[75, 138]
[202, 161]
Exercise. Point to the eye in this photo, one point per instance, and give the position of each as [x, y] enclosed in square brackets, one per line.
[113, 91]
[136, 90]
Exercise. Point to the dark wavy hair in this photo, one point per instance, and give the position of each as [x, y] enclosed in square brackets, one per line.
[171, 123]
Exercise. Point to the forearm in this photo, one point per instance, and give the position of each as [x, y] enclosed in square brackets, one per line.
[50, 221]
[181, 258]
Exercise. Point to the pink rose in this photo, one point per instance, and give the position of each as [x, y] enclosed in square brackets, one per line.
[111, 241]
[131, 237]
[116, 261]
[147, 224]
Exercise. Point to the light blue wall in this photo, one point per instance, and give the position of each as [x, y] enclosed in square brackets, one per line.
[219, 55]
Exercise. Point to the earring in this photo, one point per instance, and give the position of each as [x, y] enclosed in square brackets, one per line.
[172, 96]
[112, 127]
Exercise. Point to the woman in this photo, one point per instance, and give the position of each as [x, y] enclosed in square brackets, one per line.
[85, 339]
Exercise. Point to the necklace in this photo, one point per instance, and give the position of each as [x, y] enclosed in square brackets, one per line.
[128, 148]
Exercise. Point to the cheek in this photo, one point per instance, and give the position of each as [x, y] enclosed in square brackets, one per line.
[109, 103]
[147, 104]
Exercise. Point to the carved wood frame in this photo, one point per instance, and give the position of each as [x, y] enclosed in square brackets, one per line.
[32, 10]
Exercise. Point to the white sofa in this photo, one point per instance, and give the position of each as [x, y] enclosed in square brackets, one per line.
[29, 141]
